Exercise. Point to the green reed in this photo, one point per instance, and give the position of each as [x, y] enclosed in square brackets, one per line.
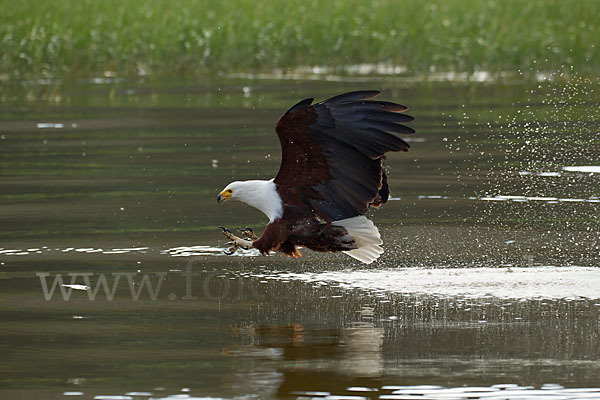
[61, 38]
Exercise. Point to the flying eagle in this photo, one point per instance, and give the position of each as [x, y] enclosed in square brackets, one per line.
[331, 172]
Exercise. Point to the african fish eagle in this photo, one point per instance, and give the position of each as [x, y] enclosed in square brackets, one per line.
[331, 172]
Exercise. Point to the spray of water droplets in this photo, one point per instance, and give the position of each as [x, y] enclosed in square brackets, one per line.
[536, 163]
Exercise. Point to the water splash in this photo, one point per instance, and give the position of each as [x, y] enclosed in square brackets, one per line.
[557, 140]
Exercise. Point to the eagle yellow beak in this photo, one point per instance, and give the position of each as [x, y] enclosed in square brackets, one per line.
[224, 195]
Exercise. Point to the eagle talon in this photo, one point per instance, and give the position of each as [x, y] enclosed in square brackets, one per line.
[232, 249]
[248, 233]
[228, 234]
[235, 242]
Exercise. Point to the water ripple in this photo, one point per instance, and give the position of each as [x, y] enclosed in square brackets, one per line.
[402, 392]
[88, 250]
[570, 283]
[513, 198]
[499, 391]
[186, 251]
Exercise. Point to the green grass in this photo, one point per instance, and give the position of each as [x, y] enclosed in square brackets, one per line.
[60, 38]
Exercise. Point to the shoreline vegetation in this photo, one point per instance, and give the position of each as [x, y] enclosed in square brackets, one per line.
[128, 38]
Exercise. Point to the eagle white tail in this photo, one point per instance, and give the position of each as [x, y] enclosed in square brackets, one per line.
[365, 235]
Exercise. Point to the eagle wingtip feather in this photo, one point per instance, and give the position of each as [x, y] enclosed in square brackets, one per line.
[301, 104]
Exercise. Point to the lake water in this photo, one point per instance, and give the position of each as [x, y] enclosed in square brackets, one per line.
[114, 285]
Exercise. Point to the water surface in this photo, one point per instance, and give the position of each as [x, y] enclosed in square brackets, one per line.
[488, 283]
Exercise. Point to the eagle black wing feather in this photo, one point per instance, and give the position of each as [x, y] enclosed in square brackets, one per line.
[332, 153]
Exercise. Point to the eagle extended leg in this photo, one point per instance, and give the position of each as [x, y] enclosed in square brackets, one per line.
[236, 242]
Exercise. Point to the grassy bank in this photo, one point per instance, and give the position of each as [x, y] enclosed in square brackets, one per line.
[166, 37]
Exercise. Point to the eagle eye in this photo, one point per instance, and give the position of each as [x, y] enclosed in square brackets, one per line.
[229, 190]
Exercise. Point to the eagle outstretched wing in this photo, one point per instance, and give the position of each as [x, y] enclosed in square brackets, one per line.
[332, 153]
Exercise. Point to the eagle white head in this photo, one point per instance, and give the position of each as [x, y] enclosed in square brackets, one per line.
[258, 194]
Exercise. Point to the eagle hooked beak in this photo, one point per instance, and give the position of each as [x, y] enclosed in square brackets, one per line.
[224, 195]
